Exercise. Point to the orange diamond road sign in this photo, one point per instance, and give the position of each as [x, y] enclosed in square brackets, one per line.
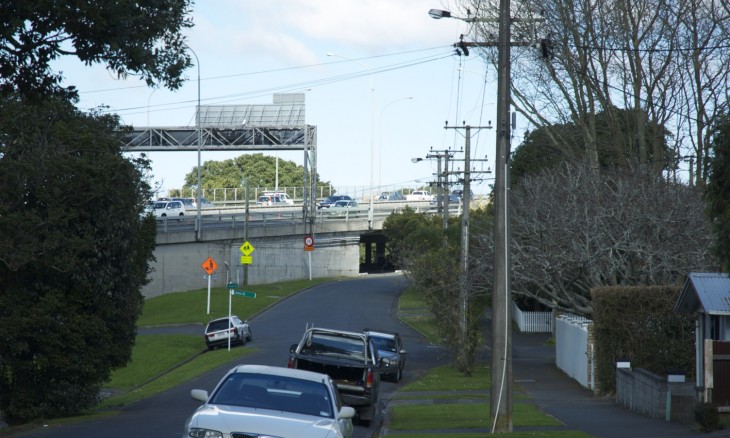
[209, 266]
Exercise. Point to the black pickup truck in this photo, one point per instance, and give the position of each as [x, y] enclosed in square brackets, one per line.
[349, 358]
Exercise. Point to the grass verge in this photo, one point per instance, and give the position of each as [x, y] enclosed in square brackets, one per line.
[191, 307]
[462, 416]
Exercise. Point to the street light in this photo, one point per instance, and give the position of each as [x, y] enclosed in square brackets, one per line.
[380, 150]
[198, 198]
[372, 132]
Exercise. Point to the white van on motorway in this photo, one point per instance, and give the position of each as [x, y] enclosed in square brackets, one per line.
[281, 195]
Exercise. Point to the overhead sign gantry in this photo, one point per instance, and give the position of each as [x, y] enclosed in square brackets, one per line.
[259, 127]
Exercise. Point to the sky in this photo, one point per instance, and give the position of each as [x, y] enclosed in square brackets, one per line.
[383, 99]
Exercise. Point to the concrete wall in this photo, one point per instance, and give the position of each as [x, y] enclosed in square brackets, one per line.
[278, 258]
[647, 393]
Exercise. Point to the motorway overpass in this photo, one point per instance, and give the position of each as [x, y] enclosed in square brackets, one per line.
[277, 236]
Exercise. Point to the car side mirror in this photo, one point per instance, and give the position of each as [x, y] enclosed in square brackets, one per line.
[346, 412]
[403, 351]
[199, 395]
[293, 348]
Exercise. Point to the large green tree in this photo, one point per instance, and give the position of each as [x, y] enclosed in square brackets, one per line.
[74, 255]
[258, 169]
[75, 247]
[615, 148]
[718, 190]
[133, 37]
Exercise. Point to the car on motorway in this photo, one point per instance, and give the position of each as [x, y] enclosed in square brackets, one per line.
[189, 203]
[283, 197]
[453, 199]
[149, 208]
[344, 208]
[389, 345]
[270, 200]
[218, 332]
[328, 201]
[460, 193]
[169, 209]
[391, 196]
[256, 401]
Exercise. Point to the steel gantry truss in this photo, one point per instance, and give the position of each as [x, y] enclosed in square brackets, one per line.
[272, 127]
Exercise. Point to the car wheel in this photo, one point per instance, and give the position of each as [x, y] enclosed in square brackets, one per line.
[182, 216]
[241, 339]
[398, 375]
[249, 338]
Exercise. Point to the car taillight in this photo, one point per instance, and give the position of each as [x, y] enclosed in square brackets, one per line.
[234, 330]
[369, 380]
[290, 363]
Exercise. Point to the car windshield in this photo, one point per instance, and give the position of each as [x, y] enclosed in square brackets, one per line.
[160, 205]
[279, 393]
[385, 344]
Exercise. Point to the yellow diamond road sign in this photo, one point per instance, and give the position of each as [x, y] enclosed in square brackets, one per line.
[247, 248]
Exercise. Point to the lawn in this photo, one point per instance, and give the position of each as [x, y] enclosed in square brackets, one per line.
[462, 416]
[191, 307]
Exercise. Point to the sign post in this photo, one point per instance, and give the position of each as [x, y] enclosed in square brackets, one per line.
[209, 266]
[309, 248]
[231, 287]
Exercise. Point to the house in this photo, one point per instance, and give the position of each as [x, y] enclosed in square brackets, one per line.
[708, 295]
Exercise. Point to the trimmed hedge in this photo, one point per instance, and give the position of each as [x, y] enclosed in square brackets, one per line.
[638, 323]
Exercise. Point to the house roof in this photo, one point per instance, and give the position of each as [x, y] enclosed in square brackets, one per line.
[706, 292]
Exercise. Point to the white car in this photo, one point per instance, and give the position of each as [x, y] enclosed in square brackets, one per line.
[272, 402]
[283, 197]
[169, 209]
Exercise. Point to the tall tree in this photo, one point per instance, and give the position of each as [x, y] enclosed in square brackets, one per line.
[258, 169]
[76, 248]
[664, 62]
[133, 37]
[73, 257]
[573, 230]
[718, 190]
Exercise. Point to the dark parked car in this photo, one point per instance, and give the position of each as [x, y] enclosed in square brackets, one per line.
[391, 196]
[219, 330]
[389, 345]
[328, 201]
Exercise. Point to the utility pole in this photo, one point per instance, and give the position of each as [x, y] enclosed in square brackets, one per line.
[442, 178]
[501, 393]
[466, 200]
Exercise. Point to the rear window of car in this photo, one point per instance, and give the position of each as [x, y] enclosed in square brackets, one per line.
[218, 325]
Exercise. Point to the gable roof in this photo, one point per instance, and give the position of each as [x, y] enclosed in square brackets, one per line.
[706, 292]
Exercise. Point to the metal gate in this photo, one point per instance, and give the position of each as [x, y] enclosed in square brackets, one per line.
[721, 373]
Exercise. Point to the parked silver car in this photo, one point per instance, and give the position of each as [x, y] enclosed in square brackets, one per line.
[219, 330]
[266, 401]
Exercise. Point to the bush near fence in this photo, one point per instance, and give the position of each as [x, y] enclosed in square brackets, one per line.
[637, 323]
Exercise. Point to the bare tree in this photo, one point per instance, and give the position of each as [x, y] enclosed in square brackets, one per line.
[573, 230]
[666, 61]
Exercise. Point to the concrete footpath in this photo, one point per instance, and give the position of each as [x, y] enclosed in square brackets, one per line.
[576, 408]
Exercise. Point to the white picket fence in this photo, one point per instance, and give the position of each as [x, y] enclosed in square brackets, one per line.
[574, 348]
[532, 322]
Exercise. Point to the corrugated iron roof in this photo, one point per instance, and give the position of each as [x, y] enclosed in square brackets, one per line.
[707, 292]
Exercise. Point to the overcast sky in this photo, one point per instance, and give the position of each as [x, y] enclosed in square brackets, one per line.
[249, 50]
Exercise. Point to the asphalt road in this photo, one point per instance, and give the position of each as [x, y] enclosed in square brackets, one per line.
[347, 305]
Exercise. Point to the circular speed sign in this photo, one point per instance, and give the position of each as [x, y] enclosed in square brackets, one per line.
[308, 241]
